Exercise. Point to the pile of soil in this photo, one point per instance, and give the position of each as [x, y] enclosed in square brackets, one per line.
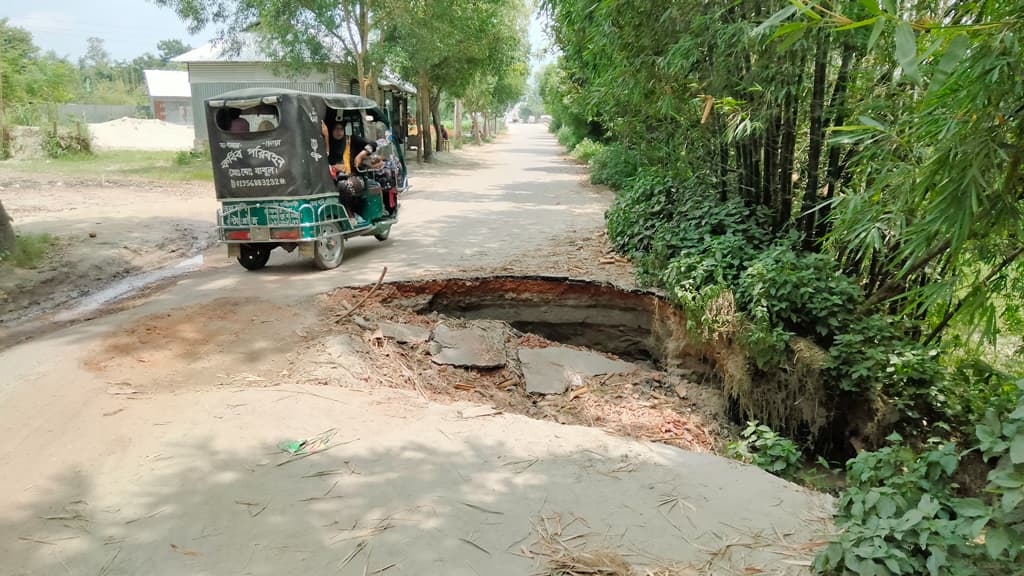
[141, 134]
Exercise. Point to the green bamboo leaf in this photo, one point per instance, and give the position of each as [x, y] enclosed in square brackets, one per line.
[871, 6]
[876, 32]
[954, 53]
[791, 39]
[788, 28]
[906, 51]
[890, 6]
[872, 122]
[774, 20]
[860, 24]
[805, 10]
[852, 128]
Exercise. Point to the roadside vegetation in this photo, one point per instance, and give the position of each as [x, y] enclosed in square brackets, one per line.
[128, 164]
[833, 193]
[29, 251]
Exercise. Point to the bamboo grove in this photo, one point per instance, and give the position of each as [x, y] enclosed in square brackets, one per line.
[833, 193]
[875, 144]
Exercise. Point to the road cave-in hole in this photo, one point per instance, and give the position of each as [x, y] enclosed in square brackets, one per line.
[635, 325]
[644, 328]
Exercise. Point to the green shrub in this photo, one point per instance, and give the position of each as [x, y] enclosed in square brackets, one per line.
[901, 512]
[568, 137]
[187, 157]
[784, 291]
[30, 250]
[6, 143]
[61, 143]
[614, 165]
[586, 150]
[762, 447]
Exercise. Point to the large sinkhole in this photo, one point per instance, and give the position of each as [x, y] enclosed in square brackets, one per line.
[644, 328]
[635, 325]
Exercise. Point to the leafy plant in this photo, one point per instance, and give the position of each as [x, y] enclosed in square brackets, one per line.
[568, 137]
[901, 512]
[614, 165]
[61, 143]
[6, 142]
[764, 448]
[30, 250]
[187, 157]
[586, 150]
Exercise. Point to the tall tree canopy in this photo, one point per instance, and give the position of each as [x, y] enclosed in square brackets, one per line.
[312, 34]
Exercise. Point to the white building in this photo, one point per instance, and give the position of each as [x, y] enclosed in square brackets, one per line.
[214, 68]
[170, 95]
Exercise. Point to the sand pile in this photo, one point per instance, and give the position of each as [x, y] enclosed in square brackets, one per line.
[141, 134]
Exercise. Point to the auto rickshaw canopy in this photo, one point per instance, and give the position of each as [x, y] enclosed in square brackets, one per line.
[268, 142]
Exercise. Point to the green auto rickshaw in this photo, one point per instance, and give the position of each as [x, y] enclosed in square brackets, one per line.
[274, 183]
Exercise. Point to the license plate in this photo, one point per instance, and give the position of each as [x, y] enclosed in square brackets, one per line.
[259, 233]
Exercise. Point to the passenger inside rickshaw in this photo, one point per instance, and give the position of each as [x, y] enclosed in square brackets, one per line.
[242, 121]
[348, 155]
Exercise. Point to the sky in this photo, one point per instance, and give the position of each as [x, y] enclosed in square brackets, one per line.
[128, 28]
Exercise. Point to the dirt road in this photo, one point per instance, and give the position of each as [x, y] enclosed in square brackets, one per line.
[146, 441]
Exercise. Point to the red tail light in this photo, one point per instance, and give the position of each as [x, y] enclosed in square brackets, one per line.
[292, 234]
[238, 235]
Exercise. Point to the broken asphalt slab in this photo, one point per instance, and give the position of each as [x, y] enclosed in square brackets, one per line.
[553, 370]
[403, 333]
[481, 345]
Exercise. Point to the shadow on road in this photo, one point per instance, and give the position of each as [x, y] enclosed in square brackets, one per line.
[200, 508]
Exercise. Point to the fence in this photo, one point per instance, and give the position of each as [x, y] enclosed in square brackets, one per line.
[36, 114]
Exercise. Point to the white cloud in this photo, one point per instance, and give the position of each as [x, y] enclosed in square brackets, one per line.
[45, 22]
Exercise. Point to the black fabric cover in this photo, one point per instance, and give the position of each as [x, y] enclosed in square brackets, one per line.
[286, 161]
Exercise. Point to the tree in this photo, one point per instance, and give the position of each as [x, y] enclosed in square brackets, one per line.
[7, 238]
[170, 48]
[17, 54]
[28, 76]
[304, 35]
[96, 55]
[490, 41]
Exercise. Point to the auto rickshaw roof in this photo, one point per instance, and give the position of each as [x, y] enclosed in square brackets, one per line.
[249, 97]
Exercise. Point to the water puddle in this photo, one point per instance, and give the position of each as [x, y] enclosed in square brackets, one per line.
[126, 287]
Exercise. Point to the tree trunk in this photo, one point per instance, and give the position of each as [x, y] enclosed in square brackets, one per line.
[771, 156]
[435, 112]
[6, 231]
[457, 132]
[365, 86]
[784, 203]
[424, 96]
[419, 129]
[476, 127]
[838, 106]
[487, 127]
[816, 138]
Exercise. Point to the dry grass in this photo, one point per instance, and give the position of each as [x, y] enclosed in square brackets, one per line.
[790, 400]
[565, 555]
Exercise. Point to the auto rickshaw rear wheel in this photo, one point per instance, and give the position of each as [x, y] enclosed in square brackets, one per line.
[253, 257]
[329, 249]
[383, 234]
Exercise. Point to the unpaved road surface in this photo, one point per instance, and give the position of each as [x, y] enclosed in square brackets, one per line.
[106, 230]
[145, 441]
